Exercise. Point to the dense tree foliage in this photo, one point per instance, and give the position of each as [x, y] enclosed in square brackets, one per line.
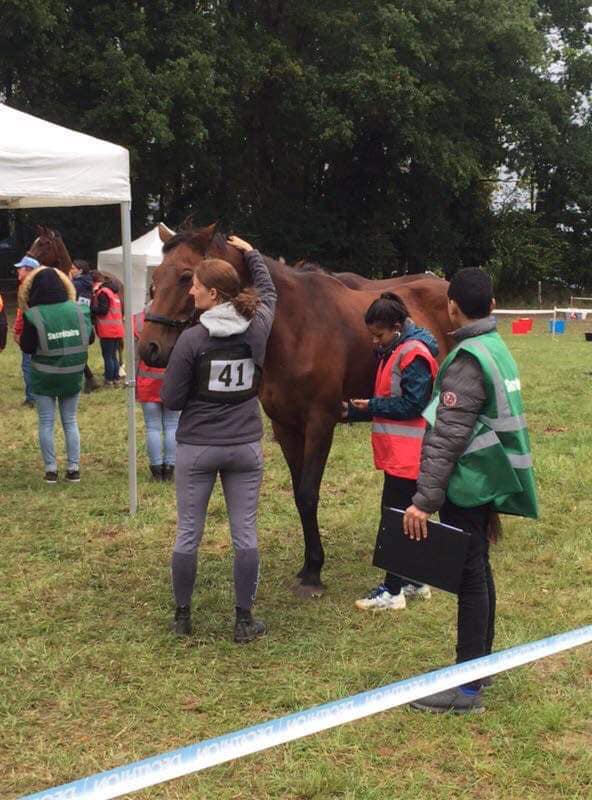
[361, 133]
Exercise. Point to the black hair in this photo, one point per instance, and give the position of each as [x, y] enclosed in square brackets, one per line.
[472, 290]
[82, 265]
[388, 310]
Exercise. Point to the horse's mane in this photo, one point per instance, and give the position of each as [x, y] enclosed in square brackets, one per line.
[303, 265]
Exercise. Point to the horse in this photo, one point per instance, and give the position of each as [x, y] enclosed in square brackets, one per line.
[355, 281]
[319, 353]
[49, 249]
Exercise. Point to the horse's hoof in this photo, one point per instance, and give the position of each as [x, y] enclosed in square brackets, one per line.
[307, 591]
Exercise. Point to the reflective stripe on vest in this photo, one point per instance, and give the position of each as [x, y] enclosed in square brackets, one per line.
[155, 375]
[413, 344]
[51, 368]
[395, 429]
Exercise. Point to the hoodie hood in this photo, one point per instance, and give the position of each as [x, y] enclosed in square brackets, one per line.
[223, 320]
[45, 286]
[413, 331]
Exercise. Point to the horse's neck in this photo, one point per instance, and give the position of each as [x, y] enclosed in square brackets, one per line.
[62, 257]
[281, 274]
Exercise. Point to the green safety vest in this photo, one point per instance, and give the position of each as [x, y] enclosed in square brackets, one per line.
[63, 331]
[496, 466]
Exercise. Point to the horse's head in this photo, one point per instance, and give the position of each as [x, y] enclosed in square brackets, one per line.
[173, 308]
[49, 249]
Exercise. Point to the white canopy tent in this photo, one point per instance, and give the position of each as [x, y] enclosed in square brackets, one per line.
[146, 255]
[43, 165]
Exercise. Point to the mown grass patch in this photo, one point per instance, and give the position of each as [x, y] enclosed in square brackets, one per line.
[91, 678]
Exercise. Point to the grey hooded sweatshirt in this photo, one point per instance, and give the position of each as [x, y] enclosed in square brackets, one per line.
[208, 422]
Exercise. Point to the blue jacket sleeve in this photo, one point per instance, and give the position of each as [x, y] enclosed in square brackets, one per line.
[416, 391]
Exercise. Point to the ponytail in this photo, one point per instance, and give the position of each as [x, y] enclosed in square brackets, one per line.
[245, 302]
[388, 310]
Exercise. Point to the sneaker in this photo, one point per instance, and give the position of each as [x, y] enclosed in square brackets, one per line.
[412, 592]
[73, 475]
[247, 629]
[29, 403]
[51, 477]
[454, 700]
[380, 599]
[168, 472]
[181, 625]
[108, 384]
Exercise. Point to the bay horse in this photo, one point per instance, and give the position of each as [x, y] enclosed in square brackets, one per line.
[355, 281]
[318, 354]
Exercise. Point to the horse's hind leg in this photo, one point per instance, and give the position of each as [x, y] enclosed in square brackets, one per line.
[306, 457]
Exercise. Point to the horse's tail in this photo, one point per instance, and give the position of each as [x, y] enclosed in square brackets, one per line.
[494, 528]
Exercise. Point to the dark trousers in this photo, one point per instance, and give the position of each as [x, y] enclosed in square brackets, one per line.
[109, 350]
[476, 597]
[397, 493]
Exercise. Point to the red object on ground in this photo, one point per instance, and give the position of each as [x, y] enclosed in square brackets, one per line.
[521, 325]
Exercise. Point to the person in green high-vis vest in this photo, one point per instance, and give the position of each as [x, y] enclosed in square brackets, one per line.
[56, 333]
[475, 463]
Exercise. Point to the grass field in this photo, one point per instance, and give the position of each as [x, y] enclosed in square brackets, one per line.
[91, 679]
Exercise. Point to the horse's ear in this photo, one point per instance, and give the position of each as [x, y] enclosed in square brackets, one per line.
[165, 232]
[205, 236]
[40, 230]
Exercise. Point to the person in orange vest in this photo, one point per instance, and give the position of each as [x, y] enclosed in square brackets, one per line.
[402, 389]
[106, 308]
[161, 423]
[3, 324]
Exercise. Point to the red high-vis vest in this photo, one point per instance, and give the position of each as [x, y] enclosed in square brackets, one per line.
[397, 442]
[148, 379]
[110, 326]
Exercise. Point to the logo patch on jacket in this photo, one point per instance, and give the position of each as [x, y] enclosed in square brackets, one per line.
[449, 399]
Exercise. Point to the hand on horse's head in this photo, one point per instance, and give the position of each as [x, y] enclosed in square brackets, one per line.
[240, 244]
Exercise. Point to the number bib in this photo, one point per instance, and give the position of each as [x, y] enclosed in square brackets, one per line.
[228, 375]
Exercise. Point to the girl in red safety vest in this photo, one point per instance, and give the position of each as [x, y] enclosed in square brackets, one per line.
[402, 389]
[161, 423]
[106, 308]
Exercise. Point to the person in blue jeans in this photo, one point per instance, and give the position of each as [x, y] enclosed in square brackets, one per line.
[56, 334]
[160, 422]
[24, 268]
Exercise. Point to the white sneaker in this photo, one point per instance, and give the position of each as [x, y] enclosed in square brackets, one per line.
[412, 592]
[380, 599]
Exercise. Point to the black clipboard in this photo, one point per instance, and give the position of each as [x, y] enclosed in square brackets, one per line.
[437, 560]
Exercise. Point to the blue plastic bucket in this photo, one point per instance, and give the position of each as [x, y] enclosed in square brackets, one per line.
[559, 325]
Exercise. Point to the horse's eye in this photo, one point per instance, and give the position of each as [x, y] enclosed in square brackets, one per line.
[186, 277]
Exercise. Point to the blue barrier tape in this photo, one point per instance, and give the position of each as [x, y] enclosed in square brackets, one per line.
[199, 756]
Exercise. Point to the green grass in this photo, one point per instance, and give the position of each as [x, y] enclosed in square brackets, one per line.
[90, 678]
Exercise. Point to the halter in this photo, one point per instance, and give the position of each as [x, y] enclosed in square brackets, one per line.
[179, 324]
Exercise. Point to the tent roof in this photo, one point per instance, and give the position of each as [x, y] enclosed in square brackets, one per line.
[147, 247]
[42, 164]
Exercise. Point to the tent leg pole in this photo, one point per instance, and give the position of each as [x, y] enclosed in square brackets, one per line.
[130, 382]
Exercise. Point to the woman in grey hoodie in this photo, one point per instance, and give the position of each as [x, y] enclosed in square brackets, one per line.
[213, 378]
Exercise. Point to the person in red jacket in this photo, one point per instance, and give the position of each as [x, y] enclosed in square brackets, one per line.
[106, 308]
[160, 422]
[402, 390]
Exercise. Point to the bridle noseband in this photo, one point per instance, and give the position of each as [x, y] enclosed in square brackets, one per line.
[178, 324]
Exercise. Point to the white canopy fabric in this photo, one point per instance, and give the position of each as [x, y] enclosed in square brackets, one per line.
[146, 255]
[42, 165]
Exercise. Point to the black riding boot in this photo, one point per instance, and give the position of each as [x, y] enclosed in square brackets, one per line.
[182, 623]
[247, 629]
[156, 470]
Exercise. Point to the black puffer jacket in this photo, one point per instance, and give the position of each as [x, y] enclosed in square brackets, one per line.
[464, 388]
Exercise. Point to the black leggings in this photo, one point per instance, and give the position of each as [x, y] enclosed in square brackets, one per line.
[476, 597]
[397, 493]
